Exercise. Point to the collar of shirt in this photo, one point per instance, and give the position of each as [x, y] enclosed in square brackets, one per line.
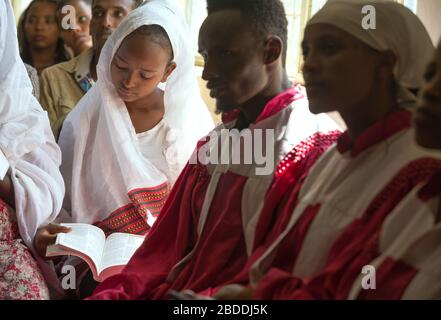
[378, 132]
[275, 105]
[81, 70]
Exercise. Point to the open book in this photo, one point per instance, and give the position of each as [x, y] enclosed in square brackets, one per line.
[105, 257]
[4, 165]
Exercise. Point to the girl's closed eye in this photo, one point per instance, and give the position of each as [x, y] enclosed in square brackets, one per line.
[120, 66]
[146, 75]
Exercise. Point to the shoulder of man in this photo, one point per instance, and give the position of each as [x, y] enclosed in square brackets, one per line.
[63, 67]
[73, 65]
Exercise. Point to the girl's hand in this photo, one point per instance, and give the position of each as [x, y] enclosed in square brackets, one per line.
[46, 236]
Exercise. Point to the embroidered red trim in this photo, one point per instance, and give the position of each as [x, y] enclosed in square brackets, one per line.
[310, 149]
[132, 218]
[413, 173]
[275, 105]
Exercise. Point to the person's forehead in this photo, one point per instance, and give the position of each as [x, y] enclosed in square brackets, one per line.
[113, 4]
[146, 54]
[326, 32]
[320, 30]
[74, 2]
[225, 26]
[42, 7]
[79, 5]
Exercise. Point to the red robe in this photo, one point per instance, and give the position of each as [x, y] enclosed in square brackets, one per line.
[336, 230]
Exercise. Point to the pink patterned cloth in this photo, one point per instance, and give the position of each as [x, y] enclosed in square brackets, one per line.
[20, 277]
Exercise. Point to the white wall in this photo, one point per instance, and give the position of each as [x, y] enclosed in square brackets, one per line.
[21, 5]
[429, 12]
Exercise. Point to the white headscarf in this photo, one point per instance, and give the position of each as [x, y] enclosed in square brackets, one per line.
[102, 160]
[26, 138]
[397, 29]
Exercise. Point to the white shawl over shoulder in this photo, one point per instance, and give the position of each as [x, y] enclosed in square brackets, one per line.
[26, 138]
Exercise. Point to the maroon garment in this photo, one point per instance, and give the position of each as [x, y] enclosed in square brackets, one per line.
[358, 244]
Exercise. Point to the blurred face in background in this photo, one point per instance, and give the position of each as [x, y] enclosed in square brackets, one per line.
[78, 38]
[40, 26]
[428, 115]
[106, 17]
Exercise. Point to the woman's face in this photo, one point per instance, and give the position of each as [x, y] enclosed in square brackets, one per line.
[428, 115]
[138, 66]
[40, 25]
[339, 70]
[78, 38]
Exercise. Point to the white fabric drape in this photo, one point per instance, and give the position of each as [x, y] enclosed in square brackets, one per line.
[102, 157]
[26, 138]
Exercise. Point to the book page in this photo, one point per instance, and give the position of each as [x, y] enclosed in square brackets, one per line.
[4, 165]
[119, 248]
[84, 238]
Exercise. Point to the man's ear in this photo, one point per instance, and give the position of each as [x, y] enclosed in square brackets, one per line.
[273, 49]
[168, 71]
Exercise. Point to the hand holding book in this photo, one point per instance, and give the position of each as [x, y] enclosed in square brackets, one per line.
[105, 256]
[47, 236]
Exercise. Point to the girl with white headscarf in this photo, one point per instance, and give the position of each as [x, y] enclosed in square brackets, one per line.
[32, 191]
[362, 199]
[118, 168]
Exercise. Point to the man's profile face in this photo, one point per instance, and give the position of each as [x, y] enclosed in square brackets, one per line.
[234, 59]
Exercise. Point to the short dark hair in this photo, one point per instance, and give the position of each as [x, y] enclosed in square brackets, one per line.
[158, 35]
[266, 16]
